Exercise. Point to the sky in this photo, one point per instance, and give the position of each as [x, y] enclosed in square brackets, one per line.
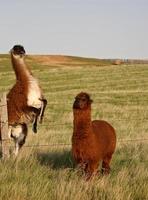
[88, 28]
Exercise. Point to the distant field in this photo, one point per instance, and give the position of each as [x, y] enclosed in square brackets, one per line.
[120, 94]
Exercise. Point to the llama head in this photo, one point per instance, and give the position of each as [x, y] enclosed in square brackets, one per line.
[18, 51]
[82, 101]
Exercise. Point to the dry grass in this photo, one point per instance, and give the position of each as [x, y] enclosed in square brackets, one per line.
[120, 96]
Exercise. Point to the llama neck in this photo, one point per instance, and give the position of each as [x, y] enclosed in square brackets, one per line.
[21, 70]
[82, 122]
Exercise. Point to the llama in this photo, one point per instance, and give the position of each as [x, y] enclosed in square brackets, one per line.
[26, 102]
[92, 141]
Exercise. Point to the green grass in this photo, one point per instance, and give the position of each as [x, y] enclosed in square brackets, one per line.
[120, 94]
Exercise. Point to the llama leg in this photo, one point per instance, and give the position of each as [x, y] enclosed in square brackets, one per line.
[91, 169]
[34, 126]
[36, 112]
[18, 144]
[105, 164]
[19, 134]
[44, 104]
[81, 165]
[9, 131]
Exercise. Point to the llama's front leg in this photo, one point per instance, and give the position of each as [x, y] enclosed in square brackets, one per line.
[16, 149]
[105, 164]
[34, 126]
[36, 114]
[91, 169]
[81, 165]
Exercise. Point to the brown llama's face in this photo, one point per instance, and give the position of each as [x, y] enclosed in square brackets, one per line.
[82, 101]
[18, 50]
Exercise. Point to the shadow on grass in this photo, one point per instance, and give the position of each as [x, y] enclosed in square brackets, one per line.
[56, 160]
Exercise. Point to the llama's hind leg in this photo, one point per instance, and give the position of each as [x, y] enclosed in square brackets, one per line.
[19, 134]
[106, 164]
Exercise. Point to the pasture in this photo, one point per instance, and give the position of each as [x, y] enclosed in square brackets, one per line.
[45, 169]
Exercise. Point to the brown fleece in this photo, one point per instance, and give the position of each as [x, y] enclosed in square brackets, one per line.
[18, 110]
[92, 141]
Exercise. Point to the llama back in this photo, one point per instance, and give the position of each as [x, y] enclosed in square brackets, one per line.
[105, 135]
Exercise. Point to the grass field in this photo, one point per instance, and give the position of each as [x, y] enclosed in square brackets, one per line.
[120, 94]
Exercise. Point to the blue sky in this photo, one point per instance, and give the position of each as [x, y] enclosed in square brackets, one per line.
[89, 28]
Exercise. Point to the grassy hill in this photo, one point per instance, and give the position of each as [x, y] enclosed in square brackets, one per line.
[120, 94]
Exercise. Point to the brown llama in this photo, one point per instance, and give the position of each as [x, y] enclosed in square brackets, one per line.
[92, 141]
[26, 102]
